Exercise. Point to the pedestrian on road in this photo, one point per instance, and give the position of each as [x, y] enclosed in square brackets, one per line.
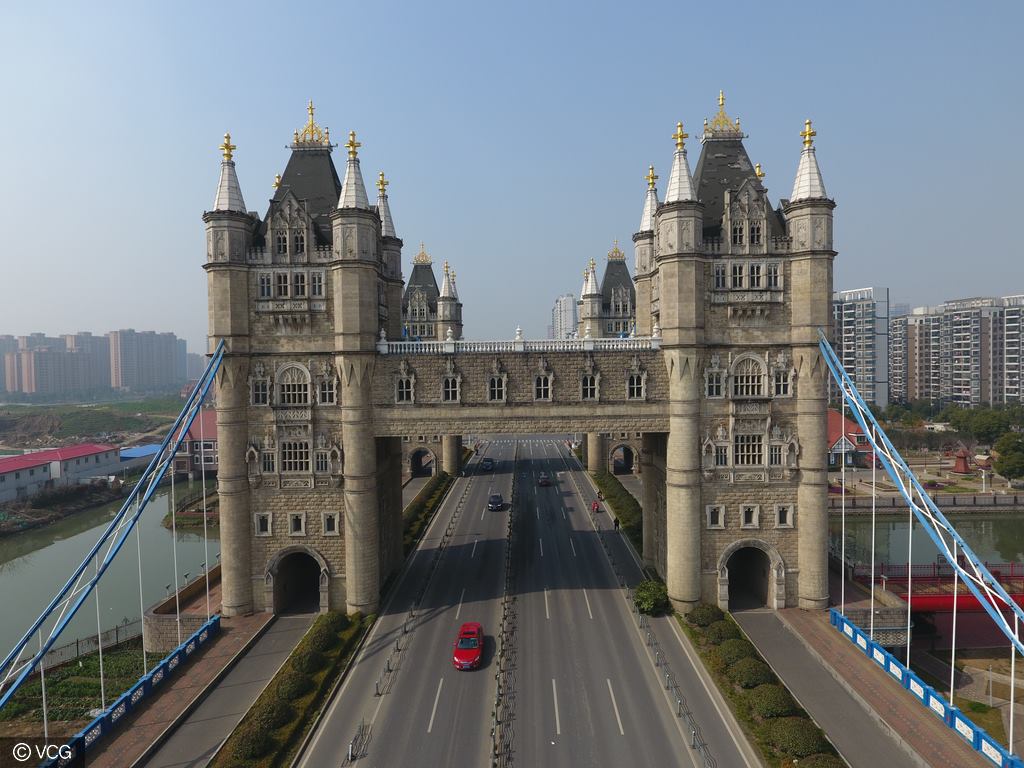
[594, 508]
[615, 525]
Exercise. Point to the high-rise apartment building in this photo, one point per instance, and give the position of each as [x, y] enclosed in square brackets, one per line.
[95, 370]
[563, 317]
[144, 360]
[861, 340]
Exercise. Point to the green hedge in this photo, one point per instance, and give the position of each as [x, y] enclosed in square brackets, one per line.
[627, 509]
[270, 732]
[420, 509]
[651, 597]
[776, 725]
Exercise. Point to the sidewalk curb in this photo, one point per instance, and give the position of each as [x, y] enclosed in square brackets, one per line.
[199, 698]
[906, 747]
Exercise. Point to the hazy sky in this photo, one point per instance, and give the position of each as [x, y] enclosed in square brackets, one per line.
[516, 137]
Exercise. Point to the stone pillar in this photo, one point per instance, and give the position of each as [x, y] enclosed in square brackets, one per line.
[451, 454]
[389, 469]
[812, 493]
[362, 524]
[682, 481]
[596, 459]
[233, 489]
[649, 505]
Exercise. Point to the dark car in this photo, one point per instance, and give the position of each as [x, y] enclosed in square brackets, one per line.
[495, 503]
[487, 465]
[543, 480]
[469, 646]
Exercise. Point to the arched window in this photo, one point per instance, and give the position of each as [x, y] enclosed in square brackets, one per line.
[293, 386]
[450, 390]
[748, 378]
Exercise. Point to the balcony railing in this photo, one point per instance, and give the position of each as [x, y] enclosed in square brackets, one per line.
[633, 344]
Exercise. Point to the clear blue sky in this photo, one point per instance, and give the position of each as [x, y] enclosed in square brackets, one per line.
[516, 136]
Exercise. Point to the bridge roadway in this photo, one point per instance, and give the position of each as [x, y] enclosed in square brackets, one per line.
[586, 689]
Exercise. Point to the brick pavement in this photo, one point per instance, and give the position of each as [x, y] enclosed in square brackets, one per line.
[146, 724]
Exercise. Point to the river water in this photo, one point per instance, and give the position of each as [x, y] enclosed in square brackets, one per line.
[996, 539]
[35, 564]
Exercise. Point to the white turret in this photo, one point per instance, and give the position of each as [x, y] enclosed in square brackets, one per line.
[353, 191]
[650, 203]
[808, 184]
[387, 226]
[680, 183]
[229, 193]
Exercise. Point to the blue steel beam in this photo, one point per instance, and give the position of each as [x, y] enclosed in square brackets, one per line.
[149, 480]
[979, 580]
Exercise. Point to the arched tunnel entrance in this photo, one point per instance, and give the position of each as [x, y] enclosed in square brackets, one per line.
[297, 584]
[623, 460]
[749, 574]
[422, 463]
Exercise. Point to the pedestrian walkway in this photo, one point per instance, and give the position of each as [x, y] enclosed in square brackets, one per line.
[144, 726]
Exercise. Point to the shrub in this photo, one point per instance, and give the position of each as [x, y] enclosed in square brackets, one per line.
[713, 658]
[334, 621]
[704, 615]
[771, 700]
[309, 661]
[721, 631]
[796, 736]
[651, 597]
[252, 741]
[292, 684]
[822, 760]
[271, 713]
[320, 637]
[750, 673]
[736, 649]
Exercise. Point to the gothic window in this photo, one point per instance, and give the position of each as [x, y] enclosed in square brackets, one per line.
[721, 455]
[749, 514]
[293, 387]
[610, 328]
[300, 242]
[773, 277]
[265, 286]
[261, 520]
[260, 392]
[496, 389]
[330, 521]
[282, 243]
[542, 387]
[282, 285]
[316, 284]
[268, 461]
[716, 515]
[297, 524]
[720, 283]
[754, 276]
[327, 391]
[403, 391]
[737, 275]
[450, 389]
[737, 234]
[323, 461]
[714, 384]
[782, 383]
[775, 455]
[588, 387]
[635, 386]
[299, 284]
[755, 234]
[747, 451]
[748, 379]
[784, 514]
[295, 456]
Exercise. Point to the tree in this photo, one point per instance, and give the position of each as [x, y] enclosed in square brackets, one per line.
[987, 425]
[1010, 460]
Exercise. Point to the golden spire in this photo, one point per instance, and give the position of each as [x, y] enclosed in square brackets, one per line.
[310, 109]
[382, 184]
[277, 181]
[422, 257]
[227, 147]
[758, 172]
[808, 134]
[352, 145]
[312, 134]
[651, 177]
[721, 100]
[680, 135]
[593, 265]
[616, 254]
[721, 124]
[446, 266]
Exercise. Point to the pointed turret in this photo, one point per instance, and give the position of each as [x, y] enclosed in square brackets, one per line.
[229, 193]
[808, 184]
[387, 226]
[447, 292]
[650, 202]
[455, 288]
[353, 191]
[680, 183]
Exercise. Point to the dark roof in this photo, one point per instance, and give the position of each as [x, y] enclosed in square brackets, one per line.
[616, 274]
[422, 278]
[723, 164]
[311, 176]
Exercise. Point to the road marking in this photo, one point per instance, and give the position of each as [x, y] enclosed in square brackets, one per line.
[541, 547]
[573, 548]
[473, 553]
[563, 514]
[589, 613]
[547, 615]
[538, 513]
[437, 696]
[459, 609]
[554, 695]
[614, 706]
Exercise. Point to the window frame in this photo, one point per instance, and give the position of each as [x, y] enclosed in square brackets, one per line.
[497, 389]
[748, 450]
[542, 387]
[267, 517]
[588, 387]
[737, 272]
[755, 510]
[295, 457]
[709, 523]
[297, 517]
[790, 510]
[405, 392]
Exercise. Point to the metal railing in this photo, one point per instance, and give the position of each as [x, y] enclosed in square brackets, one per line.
[630, 344]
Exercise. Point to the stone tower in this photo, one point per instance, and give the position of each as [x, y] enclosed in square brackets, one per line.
[736, 488]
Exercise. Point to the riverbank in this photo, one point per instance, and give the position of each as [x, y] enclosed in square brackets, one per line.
[16, 517]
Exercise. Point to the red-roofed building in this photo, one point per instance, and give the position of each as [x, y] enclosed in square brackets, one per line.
[845, 437]
[199, 446]
[25, 475]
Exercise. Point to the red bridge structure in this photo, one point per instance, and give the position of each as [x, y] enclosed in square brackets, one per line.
[931, 584]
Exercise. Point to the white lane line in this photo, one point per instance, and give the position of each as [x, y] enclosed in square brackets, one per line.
[459, 609]
[437, 696]
[614, 706]
[563, 514]
[541, 547]
[547, 614]
[554, 695]
[473, 553]
[538, 513]
[573, 548]
[589, 612]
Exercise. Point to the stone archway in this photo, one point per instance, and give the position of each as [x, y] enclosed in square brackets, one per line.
[751, 572]
[622, 459]
[422, 462]
[296, 581]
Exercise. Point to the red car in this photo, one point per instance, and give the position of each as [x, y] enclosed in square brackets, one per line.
[469, 646]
